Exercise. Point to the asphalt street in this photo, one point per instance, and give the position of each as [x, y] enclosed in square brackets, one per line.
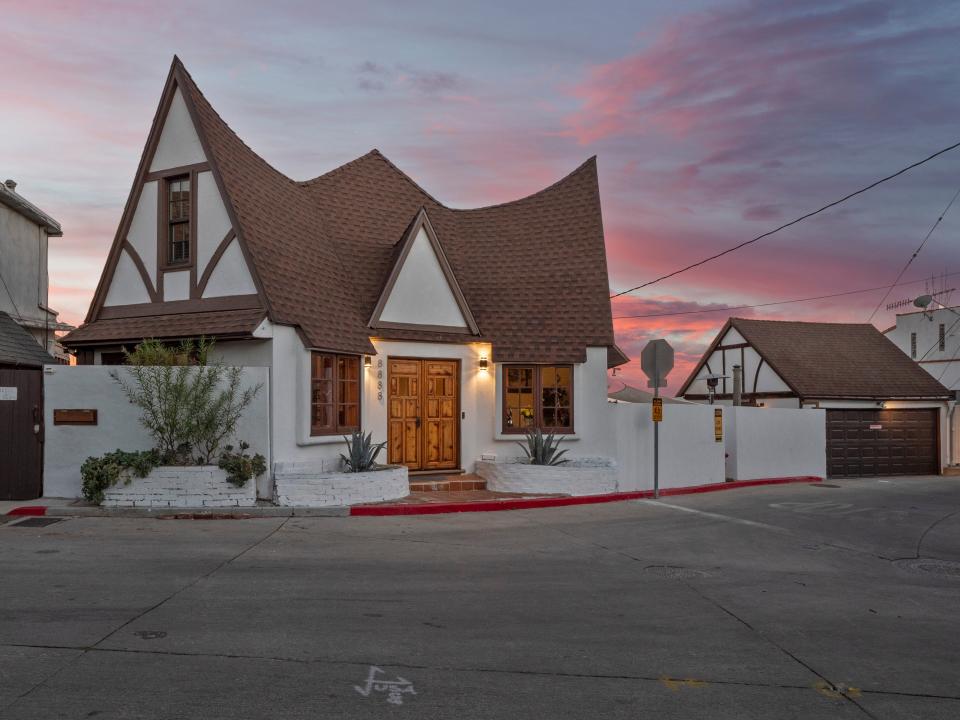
[839, 600]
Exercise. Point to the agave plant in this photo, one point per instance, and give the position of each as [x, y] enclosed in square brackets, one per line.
[542, 449]
[361, 452]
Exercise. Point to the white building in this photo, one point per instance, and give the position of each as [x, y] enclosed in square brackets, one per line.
[884, 415]
[447, 333]
[932, 339]
[25, 231]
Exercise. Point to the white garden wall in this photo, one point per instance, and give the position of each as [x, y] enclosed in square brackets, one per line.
[775, 442]
[118, 423]
[689, 452]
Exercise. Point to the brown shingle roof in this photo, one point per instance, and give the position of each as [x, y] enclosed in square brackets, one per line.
[18, 347]
[532, 271]
[838, 360]
[224, 323]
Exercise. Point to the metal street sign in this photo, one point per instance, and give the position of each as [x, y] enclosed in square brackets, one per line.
[718, 425]
[656, 360]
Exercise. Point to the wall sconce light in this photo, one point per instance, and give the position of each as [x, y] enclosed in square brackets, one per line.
[367, 361]
[483, 362]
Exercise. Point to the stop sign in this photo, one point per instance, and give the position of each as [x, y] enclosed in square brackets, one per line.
[656, 360]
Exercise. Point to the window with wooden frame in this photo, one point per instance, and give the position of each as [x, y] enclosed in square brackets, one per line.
[334, 393]
[178, 220]
[538, 396]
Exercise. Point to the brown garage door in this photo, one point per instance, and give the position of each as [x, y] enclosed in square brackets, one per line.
[868, 443]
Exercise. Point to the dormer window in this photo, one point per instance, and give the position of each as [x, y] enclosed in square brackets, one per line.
[178, 221]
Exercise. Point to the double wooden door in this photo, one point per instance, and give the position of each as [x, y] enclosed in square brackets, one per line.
[423, 413]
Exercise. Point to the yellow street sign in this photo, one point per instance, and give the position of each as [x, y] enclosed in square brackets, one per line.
[658, 409]
[718, 425]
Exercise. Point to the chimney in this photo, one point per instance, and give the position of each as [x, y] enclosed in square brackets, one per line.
[737, 384]
[11, 184]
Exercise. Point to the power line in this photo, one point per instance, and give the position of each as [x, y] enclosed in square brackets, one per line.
[792, 222]
[780, 302]
[13, 302]
[916, 252]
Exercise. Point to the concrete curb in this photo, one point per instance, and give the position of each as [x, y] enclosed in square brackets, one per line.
[531, 503]
[193, 513]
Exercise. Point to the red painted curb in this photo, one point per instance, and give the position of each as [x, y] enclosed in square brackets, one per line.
[29, 510]
[528, 503]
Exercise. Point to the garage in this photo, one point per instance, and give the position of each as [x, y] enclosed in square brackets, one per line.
[871, 443]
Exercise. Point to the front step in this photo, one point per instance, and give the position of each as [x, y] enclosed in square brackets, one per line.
[448, 484]
[952, 470]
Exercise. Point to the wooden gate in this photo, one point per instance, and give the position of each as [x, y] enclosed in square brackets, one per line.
[423, 413]
[21, 433]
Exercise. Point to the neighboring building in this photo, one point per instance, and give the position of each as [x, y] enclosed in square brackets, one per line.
[932, 339]
[885, 416]
[631, 394]
[445, 332]
[24, 238]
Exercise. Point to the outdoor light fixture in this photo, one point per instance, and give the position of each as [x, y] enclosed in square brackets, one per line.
[367, 361]
[483, 362]
[712, 381]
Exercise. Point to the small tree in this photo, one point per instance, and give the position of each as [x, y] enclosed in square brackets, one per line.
[189, 405]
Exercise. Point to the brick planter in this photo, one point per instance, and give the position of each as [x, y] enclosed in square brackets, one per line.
[196, 486]
[321, 485]
[580, 476]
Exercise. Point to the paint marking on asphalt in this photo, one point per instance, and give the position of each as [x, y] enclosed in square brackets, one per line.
[674, 684]
[718, 516]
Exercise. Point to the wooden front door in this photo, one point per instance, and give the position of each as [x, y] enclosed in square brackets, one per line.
[21, 434]
[423, 413]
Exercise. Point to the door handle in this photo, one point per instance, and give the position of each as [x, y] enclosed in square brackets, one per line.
[418, 421]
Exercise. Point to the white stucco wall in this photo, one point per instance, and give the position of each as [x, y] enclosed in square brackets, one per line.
[179, 143]
[127, 287]
[94, 387]
[213, 222]
[231, 275]
[689, 453]
[479, 401]
[142, 234]
[770, 443]
[421, 293]
[176, 285]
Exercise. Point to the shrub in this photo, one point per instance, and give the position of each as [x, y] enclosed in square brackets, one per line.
[240, 466]
[542, 449]
[189, 405]
[100, 473]
[361, 452]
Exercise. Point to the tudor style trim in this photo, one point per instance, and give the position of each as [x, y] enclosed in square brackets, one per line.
[182, 170]
[178, 307]
[141, 268]
[185, 81]
[201, 285]
[421, 220]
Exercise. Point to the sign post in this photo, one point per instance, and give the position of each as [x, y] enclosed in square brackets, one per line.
[656, 360]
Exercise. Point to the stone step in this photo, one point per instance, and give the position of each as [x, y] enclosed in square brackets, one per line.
[445, 484]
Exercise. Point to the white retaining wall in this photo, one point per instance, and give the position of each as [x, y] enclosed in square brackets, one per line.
[198, 486]
[321, 484]
[118, 426]
[689, 453]
[773, 442]
[582, 476]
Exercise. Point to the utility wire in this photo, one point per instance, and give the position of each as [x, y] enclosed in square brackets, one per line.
[792, 222]
[13, 302]
[780, 302]
[916, 252]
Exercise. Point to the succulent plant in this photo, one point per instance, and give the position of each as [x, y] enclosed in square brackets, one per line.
[361, 452]
[542, 449]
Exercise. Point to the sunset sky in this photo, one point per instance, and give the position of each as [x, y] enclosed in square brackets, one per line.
[712, 122]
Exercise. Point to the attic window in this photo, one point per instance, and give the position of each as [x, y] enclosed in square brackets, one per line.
[178, 221]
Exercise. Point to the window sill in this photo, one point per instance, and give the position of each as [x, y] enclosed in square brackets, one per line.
[321, 440]
[521, 436]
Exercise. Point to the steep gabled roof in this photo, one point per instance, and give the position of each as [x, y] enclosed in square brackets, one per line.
[832, 360]
[17, 346]
[532, 273]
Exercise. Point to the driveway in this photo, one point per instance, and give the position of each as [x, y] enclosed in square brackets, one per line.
[799, 601]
